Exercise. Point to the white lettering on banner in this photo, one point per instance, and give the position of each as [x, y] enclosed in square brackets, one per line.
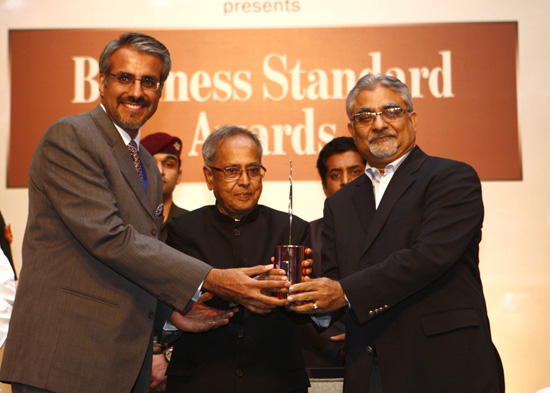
[276, 77]
[301, 137]
[275, 67]
[284, 80]
[222, 86]
[417, 74]
[202, 130]
[446, 89]
[83, 79]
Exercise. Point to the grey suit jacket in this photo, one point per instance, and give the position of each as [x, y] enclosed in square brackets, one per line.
[92, 265]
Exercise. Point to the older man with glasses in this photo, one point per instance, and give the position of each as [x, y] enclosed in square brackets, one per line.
[253, 353]
[401, 253]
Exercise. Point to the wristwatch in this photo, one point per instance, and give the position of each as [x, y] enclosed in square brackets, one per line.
[168, 354]
[157, 346]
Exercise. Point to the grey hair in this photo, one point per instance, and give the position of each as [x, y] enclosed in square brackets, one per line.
[140, 42]
[215, 139]
[371, 82]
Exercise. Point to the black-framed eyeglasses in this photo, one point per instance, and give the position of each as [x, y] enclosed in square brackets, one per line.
[147, 82]
[233, 173]
[389, 115]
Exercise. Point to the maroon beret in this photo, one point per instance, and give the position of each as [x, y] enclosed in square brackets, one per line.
[161, 142]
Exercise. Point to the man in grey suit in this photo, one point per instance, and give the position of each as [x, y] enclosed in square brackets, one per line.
[401, 250]
[93, 267]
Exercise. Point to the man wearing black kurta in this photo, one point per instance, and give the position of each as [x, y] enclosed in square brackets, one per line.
[253, 353]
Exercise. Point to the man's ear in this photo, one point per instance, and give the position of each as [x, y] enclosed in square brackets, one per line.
[101, 84]
[209, 177]
[413, 118]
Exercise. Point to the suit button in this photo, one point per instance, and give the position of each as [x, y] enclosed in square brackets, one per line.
[239, 372]
[370, 350]
[154, 231]
[151, 314]
[240, 333]
[237, 232]
[371, 313]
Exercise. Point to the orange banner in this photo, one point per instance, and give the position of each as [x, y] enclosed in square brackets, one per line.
[288, 84]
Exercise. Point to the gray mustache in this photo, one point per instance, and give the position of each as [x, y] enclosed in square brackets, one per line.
[385, 134]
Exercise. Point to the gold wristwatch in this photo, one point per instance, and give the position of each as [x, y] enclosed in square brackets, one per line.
[168, 354]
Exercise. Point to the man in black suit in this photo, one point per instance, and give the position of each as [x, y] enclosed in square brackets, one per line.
[400, 248]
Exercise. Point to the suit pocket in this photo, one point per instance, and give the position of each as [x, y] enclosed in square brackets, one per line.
[88, 296]
[447, 321]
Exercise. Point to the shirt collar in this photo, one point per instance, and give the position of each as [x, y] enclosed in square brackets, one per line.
[390, 168]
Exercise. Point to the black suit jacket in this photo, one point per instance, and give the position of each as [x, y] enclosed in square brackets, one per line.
[323, 357]
[253, 353]
[410, 271]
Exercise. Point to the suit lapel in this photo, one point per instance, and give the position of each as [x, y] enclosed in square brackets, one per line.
[154, 191]
[363, 201]
[122, 156]
[400, 182]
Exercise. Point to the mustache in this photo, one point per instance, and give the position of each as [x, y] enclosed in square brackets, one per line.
[385, 134]
[139, 100]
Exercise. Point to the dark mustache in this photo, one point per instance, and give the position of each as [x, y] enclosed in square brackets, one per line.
[140, 100]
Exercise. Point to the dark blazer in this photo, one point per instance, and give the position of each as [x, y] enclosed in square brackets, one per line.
[92, 265]
[253, 353]
[322, 356]
[410, 271]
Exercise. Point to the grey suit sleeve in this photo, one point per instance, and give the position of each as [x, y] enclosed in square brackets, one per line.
[77, 172]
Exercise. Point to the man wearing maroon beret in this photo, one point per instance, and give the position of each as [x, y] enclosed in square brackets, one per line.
[166, 150]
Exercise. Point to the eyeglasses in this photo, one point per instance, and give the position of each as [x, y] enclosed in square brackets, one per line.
[389, 115]
[232, 173]
[147, 82]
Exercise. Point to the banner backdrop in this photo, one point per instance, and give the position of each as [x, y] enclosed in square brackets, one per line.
[289, 85]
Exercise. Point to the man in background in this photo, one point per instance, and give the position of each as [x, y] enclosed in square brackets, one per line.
[338, 164]
[166, 150]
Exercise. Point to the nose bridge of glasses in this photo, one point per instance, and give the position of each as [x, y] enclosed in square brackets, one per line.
[130, 82]
[134, 87]
[379, 116]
